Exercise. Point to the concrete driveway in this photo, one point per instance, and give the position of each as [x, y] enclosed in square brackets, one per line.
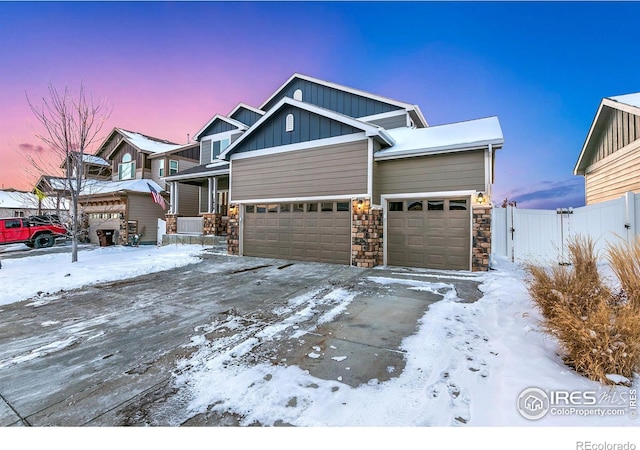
[108, 355]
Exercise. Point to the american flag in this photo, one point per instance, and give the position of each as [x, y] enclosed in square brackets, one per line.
[157, 198]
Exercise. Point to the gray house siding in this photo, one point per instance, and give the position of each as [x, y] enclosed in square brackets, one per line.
[336, 100]
[307, 127]
[448, 172]
[218, 126]
[324, 171]
[246, 116]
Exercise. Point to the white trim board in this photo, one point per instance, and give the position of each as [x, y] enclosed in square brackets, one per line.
[321, 198]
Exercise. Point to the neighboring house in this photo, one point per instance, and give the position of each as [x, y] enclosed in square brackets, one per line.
[24, 204]
[324, 172]
[610, 156]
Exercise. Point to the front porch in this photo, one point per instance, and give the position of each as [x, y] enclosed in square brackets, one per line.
[206, 215]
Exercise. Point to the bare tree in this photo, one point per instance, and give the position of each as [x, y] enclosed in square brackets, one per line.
[71, 125]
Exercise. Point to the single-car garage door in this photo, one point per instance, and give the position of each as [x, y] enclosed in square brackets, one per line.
[318, 231]
[429, 233]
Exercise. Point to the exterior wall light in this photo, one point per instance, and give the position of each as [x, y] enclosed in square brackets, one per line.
[360, 203]
[480, 198]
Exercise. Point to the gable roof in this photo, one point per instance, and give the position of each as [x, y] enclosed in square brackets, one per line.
[629, 103]
[144, 143]
[369, 129]
[245, 106]
[232, 122]
[417, 116]
[458, 136]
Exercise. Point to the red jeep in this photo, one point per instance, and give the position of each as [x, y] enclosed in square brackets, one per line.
[37, 231]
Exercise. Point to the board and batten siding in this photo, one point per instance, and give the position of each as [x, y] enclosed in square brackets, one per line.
[613, 176]
[436, 173]
[347, 103]
[307, 126]
[323, 171]
[622, 128]
[246, 116]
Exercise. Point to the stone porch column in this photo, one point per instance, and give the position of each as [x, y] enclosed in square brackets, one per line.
[367, 248]
[481, 250]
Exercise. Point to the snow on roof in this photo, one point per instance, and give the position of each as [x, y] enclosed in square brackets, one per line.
[95, 187]
[629, 99]
[441, 138]
[147, 143]
[27, 200]
[95, 160]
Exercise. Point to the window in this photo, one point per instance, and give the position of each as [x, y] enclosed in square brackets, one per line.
[395, 206]
[218, 147]
[126, 169]
[298, 207]
[17, 223]
[249, 209]
[285, 207]
[297, 95]
[312, 207]
[289, 123]
[435, 205]
[261, 208]
[414, 205]
[342, 206]
[18, 214]
[161, 169]
[272, 208]
[458, 205]
[326, 206]
[173, 167]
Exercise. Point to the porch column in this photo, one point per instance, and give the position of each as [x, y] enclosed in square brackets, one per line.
[214, 195]
[209, 198]
[174, 195]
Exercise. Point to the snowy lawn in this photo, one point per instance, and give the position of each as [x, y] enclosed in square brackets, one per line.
[36, 276]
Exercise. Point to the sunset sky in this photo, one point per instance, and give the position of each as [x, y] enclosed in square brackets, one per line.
[165, 68]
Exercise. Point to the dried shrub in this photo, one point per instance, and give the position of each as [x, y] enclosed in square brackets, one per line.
[597, 326]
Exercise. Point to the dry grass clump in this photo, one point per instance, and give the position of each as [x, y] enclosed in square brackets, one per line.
[597, 325]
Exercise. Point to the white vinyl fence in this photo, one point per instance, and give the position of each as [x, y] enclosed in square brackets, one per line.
[541, 235]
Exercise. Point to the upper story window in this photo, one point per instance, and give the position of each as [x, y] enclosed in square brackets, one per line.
[289, 123]
[161, 168]
[173, 167]
[127, 168]
[213, 148]
[297, 95]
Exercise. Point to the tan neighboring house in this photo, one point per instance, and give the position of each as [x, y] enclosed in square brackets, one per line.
[118, 182]
[610, 156]
[325, 172]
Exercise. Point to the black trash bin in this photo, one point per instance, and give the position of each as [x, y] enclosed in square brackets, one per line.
[105, 237]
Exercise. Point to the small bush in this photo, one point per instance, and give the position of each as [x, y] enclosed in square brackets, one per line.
[598, 326]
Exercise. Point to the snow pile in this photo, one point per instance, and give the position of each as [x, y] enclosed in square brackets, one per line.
[37, 276]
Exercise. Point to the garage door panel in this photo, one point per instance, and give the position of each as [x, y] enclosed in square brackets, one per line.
[436, 238]
[313, 236]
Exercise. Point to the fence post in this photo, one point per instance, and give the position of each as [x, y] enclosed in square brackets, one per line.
[630, 216]
[509, 231]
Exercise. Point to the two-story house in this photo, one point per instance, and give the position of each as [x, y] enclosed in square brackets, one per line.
[325, 172]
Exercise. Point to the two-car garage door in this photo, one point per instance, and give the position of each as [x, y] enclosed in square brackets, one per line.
[423, 232]
[432, 233]
[313, 231]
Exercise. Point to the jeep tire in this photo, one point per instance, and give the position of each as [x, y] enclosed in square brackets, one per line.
[44, 240]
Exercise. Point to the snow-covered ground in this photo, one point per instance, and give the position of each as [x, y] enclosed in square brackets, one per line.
[467, 360]
[48, 273]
